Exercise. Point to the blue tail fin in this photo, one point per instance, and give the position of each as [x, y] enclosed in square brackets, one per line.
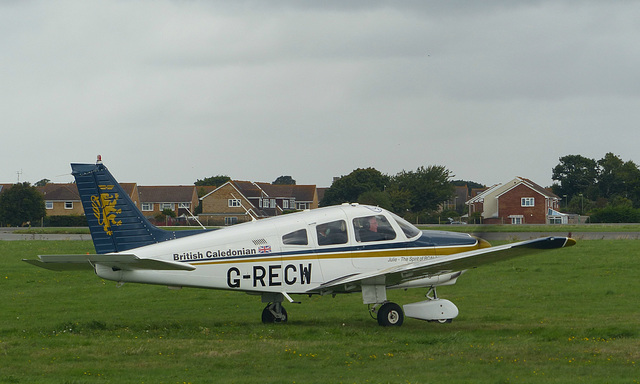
[115, 222]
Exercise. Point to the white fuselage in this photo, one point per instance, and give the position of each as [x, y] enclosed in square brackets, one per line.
[295, 253]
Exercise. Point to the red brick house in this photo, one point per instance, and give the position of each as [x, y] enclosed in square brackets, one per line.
[520, 201]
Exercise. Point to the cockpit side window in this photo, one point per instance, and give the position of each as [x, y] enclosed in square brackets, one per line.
[331, 233]
[298, 237]
[373, 228]
[409, 229]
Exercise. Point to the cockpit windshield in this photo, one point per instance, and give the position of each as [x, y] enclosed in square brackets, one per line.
[409, 229]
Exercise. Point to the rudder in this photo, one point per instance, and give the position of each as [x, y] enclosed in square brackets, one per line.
[116, 224]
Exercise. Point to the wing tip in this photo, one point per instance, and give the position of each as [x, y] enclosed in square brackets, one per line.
[570, 242]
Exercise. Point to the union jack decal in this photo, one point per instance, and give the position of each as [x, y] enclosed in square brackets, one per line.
[264, 249]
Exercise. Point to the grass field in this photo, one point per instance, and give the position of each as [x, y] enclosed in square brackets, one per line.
[570, 315]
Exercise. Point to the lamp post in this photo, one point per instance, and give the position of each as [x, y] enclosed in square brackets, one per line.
[581, 204]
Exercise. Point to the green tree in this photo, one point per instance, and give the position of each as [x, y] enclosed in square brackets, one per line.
[42, 183]
[617, 178]
[348, 189]
[284, 180]
[470, 184]
[21, 204]
[580, 204]
[400, 200]
[616, 214]
[475, 218]
[575, 174]
[213, 180]
[428, 187]
[162, 217]
[376, 198]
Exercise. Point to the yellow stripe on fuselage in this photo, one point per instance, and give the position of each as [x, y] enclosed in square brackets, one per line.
[355, 254]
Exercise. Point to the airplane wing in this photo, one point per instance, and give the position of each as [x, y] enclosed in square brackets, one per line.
[445, 264]
[118, 261]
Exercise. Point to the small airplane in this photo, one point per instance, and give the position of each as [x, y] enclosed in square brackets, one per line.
[326, 251]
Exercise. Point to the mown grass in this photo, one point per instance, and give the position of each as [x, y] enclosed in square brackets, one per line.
[85, 230]
[53, 230]
[564, 316]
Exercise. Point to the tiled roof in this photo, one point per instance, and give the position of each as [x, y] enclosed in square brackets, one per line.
[204, 190]
[128, 188]
[247, 188]
[299, 192]
[539, 188]
[4, 187]
[60, 192]
[166, 194]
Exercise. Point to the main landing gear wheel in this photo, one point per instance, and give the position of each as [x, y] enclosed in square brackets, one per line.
[274, 313]
[390, 314]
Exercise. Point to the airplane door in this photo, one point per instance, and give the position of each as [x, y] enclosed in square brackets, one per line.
[375, 242]
[332, 248]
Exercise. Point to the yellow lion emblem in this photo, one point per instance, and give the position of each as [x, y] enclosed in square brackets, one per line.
[104, 209]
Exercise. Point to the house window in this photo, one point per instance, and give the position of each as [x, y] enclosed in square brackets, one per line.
[303, 206]
[184, 205]
[68, 205]
[527, 201]
[234, 203]
[169, 206]
[146, 207]
[48, 204]
[230, 220]
[285, 204]
[517, 219]
[555, 220]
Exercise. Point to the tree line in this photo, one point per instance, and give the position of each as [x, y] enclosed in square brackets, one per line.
[607, 190]
[408, 193]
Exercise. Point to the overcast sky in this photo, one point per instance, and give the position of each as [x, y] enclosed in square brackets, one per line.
[173, 91]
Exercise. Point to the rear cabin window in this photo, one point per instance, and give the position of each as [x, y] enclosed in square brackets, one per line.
[373, 228]
[332, 233]
[296, 238]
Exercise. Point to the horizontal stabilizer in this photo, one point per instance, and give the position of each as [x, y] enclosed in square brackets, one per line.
[118, 261]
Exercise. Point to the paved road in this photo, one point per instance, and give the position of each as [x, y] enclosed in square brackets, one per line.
[516, 236]
[9, 234]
